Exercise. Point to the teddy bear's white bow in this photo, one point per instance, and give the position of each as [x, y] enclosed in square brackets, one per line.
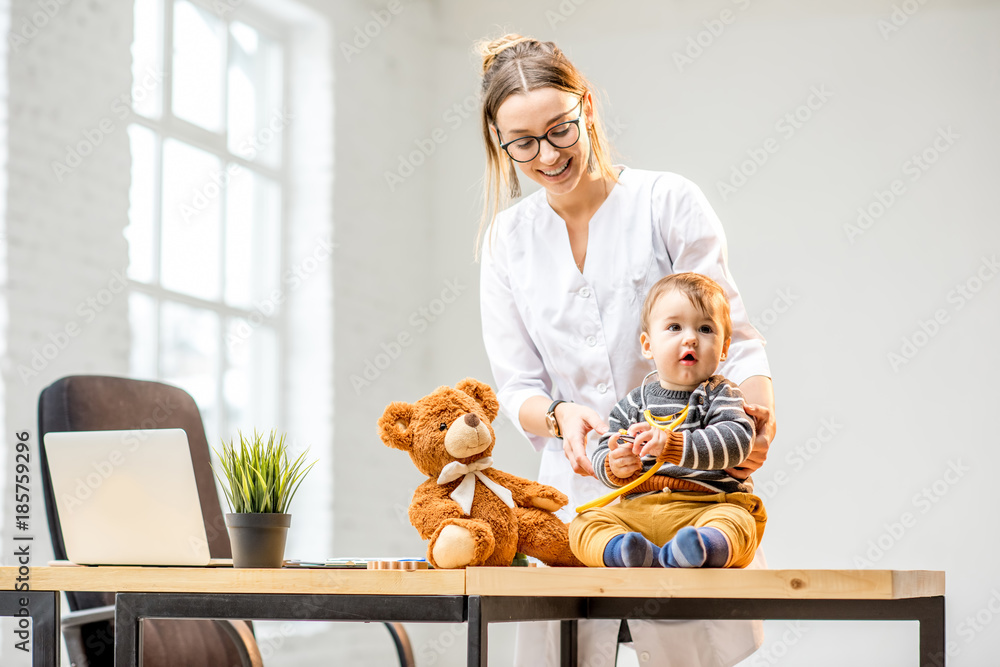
[465, 491]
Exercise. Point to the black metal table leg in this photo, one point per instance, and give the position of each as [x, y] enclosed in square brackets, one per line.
[932, 640]
[43, 609]
[128, 632]
[568, 643]
[483, 610]
[46, 638]
[132, 608]
[929, 612]
[478, 633]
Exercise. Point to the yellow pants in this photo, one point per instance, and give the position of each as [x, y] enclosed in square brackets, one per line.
[658, 516]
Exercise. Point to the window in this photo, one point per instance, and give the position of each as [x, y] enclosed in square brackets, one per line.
[209, 136]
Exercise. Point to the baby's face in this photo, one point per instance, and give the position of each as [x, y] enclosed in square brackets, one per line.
[685, 344]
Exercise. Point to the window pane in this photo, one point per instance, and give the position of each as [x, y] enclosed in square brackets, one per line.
[147, 57]
[142, 203]
[189, 353]
[189, 256]
[199, 59]
[256, 119]
[142, 320]
[251, 383]
[253, 238]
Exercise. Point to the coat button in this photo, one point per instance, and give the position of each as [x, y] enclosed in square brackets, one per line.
[602, 388]
[591, 341]
[585, 292]
[644, 656]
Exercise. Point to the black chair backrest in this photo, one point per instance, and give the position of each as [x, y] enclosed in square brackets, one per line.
[100, 403]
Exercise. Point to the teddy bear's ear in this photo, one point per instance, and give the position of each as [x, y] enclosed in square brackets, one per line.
[394, 426]
[483, 393]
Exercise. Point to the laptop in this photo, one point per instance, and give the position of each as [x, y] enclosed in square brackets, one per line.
[128, 498]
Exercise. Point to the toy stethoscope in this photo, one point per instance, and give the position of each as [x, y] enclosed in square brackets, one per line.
[662, 423]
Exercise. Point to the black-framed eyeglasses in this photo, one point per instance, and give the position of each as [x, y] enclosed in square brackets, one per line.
[561, 135]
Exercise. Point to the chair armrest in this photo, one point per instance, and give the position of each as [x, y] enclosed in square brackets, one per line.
[242, 636]
[74, 619]
[402, 641]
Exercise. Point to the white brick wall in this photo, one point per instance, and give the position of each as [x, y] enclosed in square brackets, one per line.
[66, 64]
[66, 312]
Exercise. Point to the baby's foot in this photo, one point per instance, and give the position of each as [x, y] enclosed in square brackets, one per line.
[696, 547]
[631, 550]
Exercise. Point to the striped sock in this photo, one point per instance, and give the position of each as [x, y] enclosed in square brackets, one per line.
[631, 550]
[696, 547]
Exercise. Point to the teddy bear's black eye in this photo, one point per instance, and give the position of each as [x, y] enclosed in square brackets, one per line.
[443, 427]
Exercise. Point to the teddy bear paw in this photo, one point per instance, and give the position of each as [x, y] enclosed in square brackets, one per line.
[547, 504]
[455, 547]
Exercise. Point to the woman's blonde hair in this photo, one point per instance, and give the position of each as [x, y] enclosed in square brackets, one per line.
[512, 65]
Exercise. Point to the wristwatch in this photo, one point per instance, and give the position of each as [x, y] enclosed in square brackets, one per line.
[550, 420]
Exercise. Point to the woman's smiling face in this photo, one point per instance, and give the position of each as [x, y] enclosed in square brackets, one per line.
[558, 170]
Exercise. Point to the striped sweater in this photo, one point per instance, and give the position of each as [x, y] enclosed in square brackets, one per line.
[716, 434]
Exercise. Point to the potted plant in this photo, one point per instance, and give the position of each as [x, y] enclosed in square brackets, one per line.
[259, 483]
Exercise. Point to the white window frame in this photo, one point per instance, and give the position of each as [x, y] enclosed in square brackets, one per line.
[216, 144]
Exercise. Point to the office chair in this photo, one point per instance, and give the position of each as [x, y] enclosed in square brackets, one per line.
[93, 403]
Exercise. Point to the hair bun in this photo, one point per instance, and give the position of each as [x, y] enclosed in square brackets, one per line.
[490, 49]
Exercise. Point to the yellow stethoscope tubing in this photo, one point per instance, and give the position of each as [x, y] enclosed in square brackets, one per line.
[662, 423]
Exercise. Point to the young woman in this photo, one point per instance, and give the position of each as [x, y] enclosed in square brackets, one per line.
[564, 274]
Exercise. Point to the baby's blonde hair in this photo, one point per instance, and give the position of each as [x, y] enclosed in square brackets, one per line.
[706, 295]
[512, 65]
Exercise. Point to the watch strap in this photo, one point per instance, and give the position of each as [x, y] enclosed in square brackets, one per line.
[551, 415]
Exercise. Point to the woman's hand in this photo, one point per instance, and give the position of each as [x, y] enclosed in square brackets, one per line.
[765, 426]
[575, 422]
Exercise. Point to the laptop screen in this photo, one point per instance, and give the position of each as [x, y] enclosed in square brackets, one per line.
[127, 497]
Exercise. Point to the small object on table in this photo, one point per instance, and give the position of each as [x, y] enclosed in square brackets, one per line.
[399, 564]
[521, 560]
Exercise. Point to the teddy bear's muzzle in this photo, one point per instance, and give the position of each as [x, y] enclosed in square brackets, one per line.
[467, 435]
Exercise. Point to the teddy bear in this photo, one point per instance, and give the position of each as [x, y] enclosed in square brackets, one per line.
[472, 513]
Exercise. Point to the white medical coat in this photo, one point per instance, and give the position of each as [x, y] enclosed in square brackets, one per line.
[552, 331]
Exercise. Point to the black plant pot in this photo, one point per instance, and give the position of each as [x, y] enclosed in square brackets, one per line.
[258, 540]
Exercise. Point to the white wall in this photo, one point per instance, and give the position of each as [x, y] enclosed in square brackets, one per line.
[832, 309]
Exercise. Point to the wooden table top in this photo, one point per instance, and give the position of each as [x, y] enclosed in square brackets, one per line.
[501, 581]
[705, 583]
[115, 579]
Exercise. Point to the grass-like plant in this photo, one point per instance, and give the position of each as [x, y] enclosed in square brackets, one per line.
[256, 476]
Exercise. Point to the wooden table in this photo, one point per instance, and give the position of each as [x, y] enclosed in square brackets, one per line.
[480, 596]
